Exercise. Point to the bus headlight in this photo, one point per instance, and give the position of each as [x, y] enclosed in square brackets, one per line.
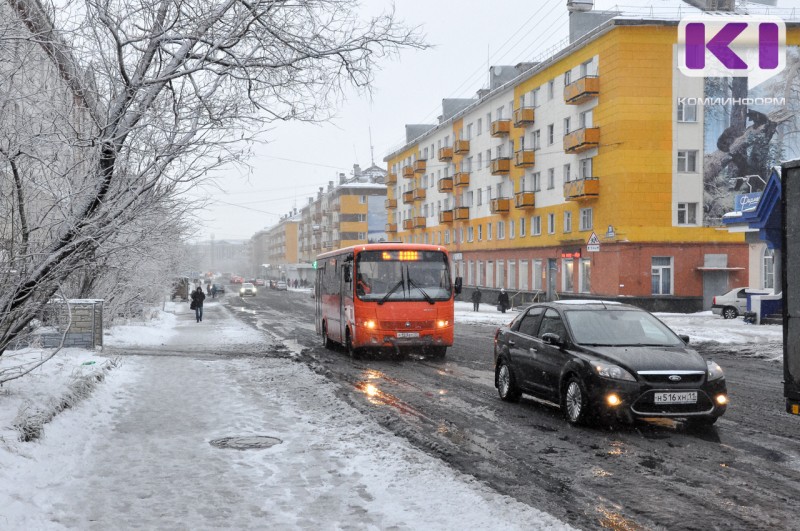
[442, 323]
[369, 324]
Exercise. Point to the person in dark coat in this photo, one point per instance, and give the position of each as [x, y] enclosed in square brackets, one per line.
[502, 301]
[476, 299]
[197, 300]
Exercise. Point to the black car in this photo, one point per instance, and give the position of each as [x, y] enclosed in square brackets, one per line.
[219, 287]
[604, 359]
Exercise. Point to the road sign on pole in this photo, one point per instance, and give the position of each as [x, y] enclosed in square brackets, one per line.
[593, 243]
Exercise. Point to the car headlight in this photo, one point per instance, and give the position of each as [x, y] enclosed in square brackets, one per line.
[609, 370]
[714, 370]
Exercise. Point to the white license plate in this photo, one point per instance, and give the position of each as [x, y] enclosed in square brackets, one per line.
[407, 334]
[686, 397]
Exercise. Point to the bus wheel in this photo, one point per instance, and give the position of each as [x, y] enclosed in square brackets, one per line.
[437, 352]
[326, 342]
[348, 345]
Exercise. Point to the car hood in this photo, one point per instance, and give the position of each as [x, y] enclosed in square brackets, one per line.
[651, 358]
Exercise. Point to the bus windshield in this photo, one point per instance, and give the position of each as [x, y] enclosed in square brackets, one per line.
[406, 275]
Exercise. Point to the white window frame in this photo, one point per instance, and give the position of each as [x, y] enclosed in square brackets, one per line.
[567, 221]
[687, 113]
[587, 219]
[687, 214]
[687, 161]
[661, 268]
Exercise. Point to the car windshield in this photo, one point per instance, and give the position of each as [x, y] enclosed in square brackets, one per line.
[619, 328]
[247, 285]
[402, 276]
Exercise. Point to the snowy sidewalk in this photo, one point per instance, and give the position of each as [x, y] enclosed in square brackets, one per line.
[138, 452]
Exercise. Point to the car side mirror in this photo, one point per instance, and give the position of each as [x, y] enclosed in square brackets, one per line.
[457, 285]
[551, 339]
[684, 338]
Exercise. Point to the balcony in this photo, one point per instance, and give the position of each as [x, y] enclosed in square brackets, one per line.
[501, 166]
[408, 224]
[445, 184]
[419, 166]
[500, 205]
[524, 158]
[582, 90]
[501, 127]
[408, 172]
[523, 116]
[391, 227]
[461, 146]
[446, 216]
[524, 200]
[408, 197]
[419, 222]
[586, 188]
[461, 213]
[445, 153]
[391, 178]
[419, 194]
[461, 179]
[582, 140]
[391, 203]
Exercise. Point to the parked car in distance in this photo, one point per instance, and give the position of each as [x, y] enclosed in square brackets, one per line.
[219, 287]
[601, 360]
[247, 289]
[281, 285]
[734, 303]
[259, 282]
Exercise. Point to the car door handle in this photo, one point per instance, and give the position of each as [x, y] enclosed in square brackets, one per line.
[511, 343]
[532, 350]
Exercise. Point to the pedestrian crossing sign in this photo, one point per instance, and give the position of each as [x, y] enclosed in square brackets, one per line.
[593, 243]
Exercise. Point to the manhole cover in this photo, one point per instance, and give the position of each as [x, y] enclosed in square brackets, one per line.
[249, 442]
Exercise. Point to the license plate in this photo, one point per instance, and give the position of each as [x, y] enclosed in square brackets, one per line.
[686, 397]
[407, 334]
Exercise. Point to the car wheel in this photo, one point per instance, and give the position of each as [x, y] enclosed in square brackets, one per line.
[575, 402]
[700, 422]
[326, 342]
[506, 384]
[729, 312]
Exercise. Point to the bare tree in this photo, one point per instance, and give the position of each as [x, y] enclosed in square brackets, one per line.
[166, 92]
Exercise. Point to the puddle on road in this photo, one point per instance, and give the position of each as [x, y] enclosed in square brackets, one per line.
[246, 442]
[369, 387]
[610, 519]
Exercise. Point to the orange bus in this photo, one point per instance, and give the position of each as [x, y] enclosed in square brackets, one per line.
[386, 296]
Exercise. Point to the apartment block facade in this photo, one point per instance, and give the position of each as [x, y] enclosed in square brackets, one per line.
[590, 174]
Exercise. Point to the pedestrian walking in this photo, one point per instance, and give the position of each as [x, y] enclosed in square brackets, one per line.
[476, 299]
[502, 301]
[197, 303]
[213, 291]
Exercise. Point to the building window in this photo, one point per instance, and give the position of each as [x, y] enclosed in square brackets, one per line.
[537, 181]
[586, 68]
[488, 120]
[501, 230]
[537, 140]
[687, 213]
[661, 275]
[686, 112]
[535, 101]
[488, 231]
[446, 237]
[362, 235]
[480, 232]
[511, 229]
[480, 126]
[567, 175]
[567, 275]
[362, 199]
[551, 134]
[567, 77]
[536, 225]
[585, 168]
[567, 221]
[470, 234]
[480, 196]
[768, 275]
[551, 178]
[521, 227]
[585, 276]
[469, 132]
[687, 161]
[537, 275]
[551, 223]
[586, 219]
[566, 125]
[469, 198]
[585, 119]
[551, 88]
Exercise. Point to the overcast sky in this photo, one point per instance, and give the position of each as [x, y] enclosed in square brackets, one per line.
[466, 38]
